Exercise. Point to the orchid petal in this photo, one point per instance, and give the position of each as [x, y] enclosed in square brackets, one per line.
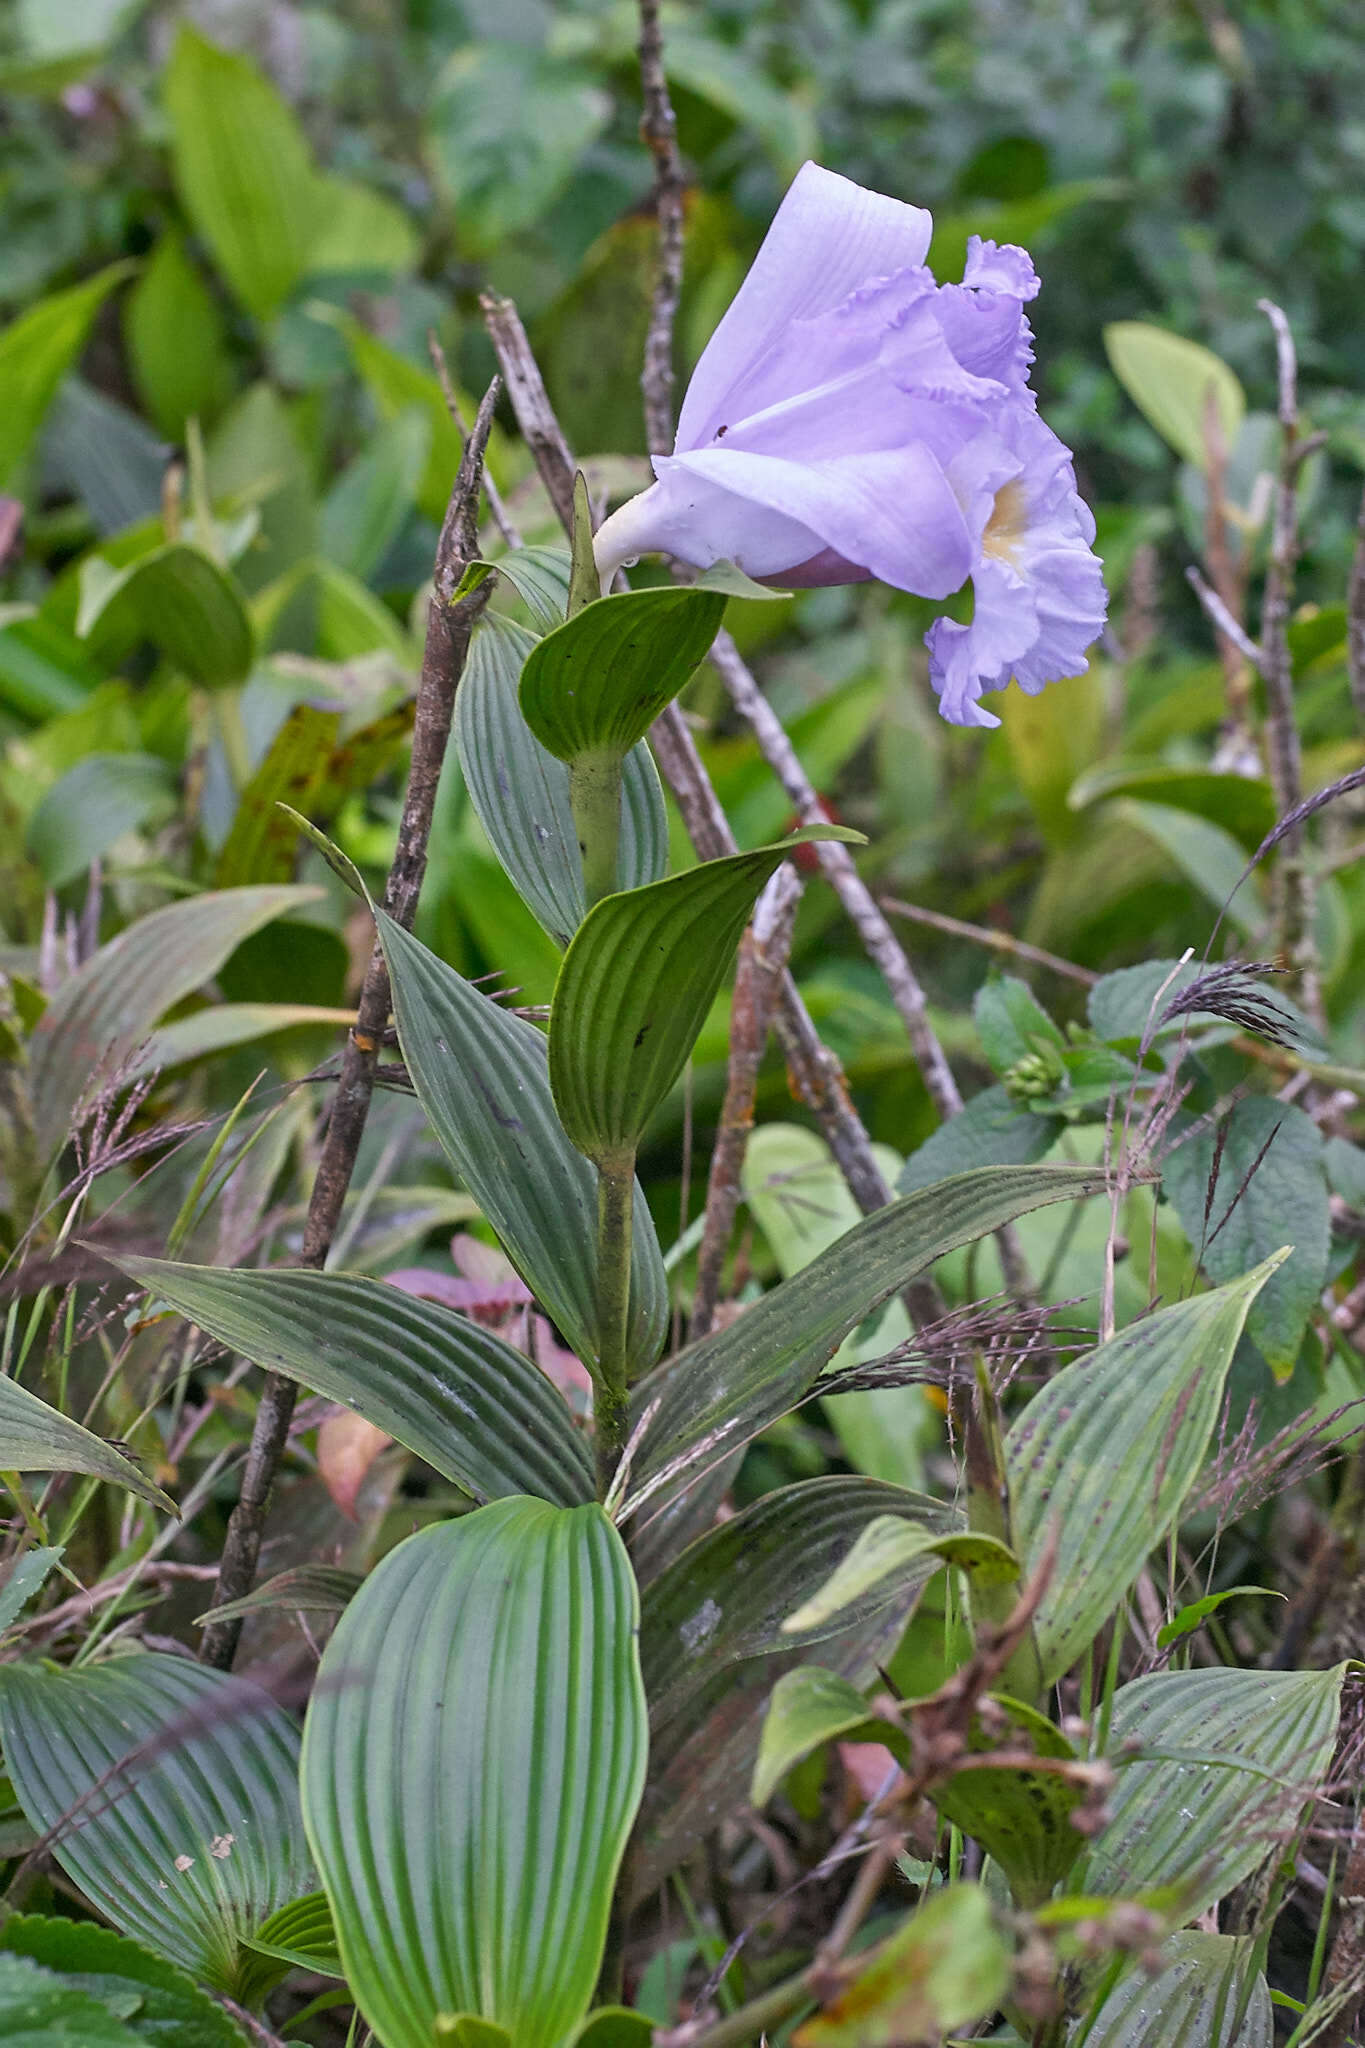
[828, 237]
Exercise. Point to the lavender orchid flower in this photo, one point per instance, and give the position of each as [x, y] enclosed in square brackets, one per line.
[852, 419]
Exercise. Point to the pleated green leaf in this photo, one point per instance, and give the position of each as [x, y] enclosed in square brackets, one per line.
[481, 1413]
[480, 1075]
[102, 1013]
[540, 577]
[598, 682]
[521, 792]
[36, 1438]
[718, 1394]
[1107, 1452]
[194, 1836]
[1234, 1758]
[180, 600]
[302, 1934]
[472, 1763]
[635, 987]
[1206, 1993]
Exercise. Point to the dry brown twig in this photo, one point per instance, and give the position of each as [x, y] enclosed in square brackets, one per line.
[449, 626]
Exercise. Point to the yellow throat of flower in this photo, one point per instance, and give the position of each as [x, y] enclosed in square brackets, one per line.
[1008, 524]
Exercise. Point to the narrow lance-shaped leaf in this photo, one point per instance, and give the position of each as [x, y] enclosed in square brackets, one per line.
[480, 1075]
[479, 1412]
[36, 1438]
[635, 987]
[36, 351]
[521, 792]
[718, 1394]
[1106, 1453]
[598, 682]
[194, 1836]
[472, 1763]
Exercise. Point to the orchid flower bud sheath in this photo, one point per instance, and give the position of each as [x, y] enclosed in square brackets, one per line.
[853, 419]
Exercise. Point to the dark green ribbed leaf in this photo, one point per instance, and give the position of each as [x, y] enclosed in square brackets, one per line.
[472, 1763]
[36, 1438]
[521, 792]
[105, 1009]
[302, 1934]
[303, 1589]
[1206, 1993]
[635, 987]
[179, 599]
[879, 1560]
[448, 1389]
[164, 2006]
[480, 1074]
[194, 1836]
[1235, 1757]
[723, 1391]
[1105, 1455]
[1020, 1816]
[600, 681]
[540, 577]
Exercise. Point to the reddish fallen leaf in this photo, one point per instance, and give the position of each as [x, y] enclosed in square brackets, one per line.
[867, 1764]
[347, 1447]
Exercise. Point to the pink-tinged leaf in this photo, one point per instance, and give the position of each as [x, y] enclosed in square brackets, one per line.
[347, 1447]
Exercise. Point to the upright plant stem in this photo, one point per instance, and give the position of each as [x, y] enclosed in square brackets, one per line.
[611, 1400]
[595, 800]
[449, 627]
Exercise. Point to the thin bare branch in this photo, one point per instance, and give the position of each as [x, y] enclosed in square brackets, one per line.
[996, 942]
[1223, 619]
[449, 626]
[497, 504]
[659, 131]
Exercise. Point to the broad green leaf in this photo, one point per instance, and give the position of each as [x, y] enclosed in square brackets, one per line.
[194, 1836]
[598, 682]
[1104, 1456]
[540, 577]
[397, 386]
[521, 793]
[614, 2026]
[345, 618]
[479, 1412]
[92, 806]
[262, 843]
[104, 1011]
[990, 1130]
[358, 230]
[303, 1589]
[242, 169]
[181, 601]
[739, 86]
[1206, 1993]
[809, 1708]
[36, 351]
[712, 1645]
[39, 2009]
[1171, 380]
[473, 1760]
[1205, 854]
[882, 1557]
[367, 506]
[1020, 1815]
[719, 1393]
[302, 1934]
[36, 1438]
[177, 341]
[480, 1075]
[801, 1202]
[26, 1576]
[170, 2009]
[946, 1966]
[1271, 1189]
[1122, 1004]
[1011, 1023]
[637, 981]
[1243, 805]
[1228, 1761]
[223, 1026]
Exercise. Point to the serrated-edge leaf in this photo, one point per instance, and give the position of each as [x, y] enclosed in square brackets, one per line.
[718, 1394]
[479, 1412]
[37, 1438]
[102, 1012]
[481, 1076]
[635, 986]
[172, 2010]
[1251, 1749]
[1105, 1454]
[601, 679]
[40, 2009]
[195, 1836]
[472, 1763]
[521, 792]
